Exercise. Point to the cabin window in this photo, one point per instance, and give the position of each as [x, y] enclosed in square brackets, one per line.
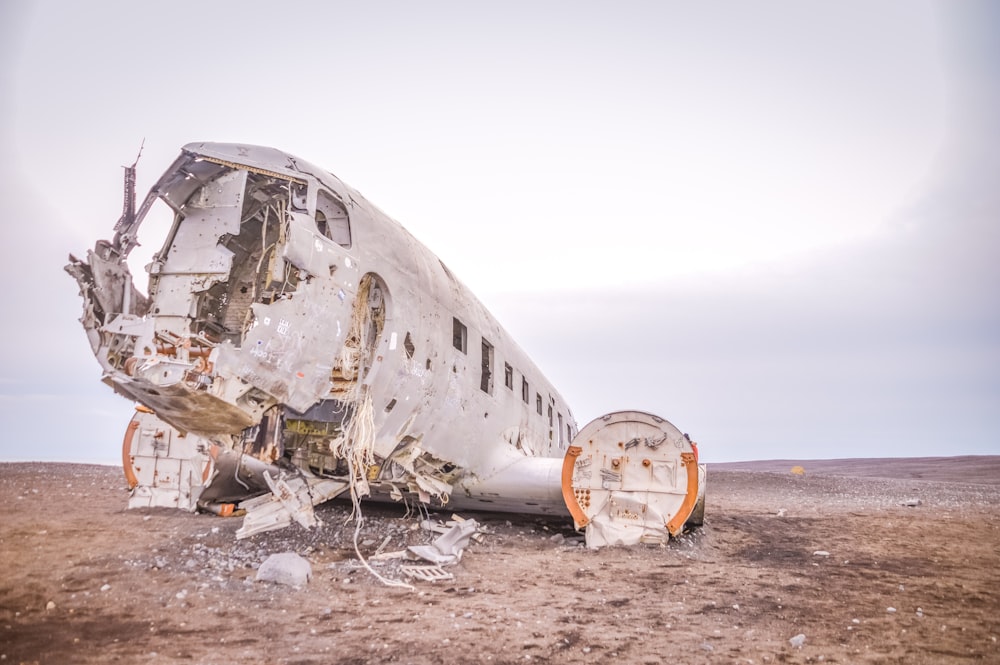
[550, 415]
[562, 441]
[460, 336]
[332, 220]
[569, 432]
[486, 378]
[524, 389]
[508, 376]
[538, 403]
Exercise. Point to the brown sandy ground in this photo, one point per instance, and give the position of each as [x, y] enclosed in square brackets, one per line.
[899, 584]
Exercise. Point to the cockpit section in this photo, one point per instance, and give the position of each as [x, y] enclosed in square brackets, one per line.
[250, 298]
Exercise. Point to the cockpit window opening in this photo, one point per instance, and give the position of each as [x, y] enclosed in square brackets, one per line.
[297, 198]
[332, 220]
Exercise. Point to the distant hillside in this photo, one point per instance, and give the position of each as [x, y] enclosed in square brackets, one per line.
[977, 469]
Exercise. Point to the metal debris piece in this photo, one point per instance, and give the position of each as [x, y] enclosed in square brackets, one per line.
[291, 499]
[448, 547]
[384, 556]
[427, 573]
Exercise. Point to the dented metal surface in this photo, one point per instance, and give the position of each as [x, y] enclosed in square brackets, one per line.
[297, 343]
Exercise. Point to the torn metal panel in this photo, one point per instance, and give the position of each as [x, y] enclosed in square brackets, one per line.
[286, 352]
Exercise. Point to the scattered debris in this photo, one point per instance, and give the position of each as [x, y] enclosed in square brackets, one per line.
[448, 547]
[798, 640]
[285, 568]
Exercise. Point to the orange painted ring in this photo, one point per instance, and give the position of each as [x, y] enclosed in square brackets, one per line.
[130, 477]
[580, 519]
[674, 526]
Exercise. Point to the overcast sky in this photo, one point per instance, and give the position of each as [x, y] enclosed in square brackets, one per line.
[775, 224]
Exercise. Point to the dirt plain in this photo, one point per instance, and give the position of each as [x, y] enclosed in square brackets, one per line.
[833, 555]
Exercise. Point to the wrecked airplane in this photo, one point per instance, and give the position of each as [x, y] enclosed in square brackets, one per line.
[297, 344]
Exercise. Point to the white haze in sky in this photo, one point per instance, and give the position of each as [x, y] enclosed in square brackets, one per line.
[775, 224]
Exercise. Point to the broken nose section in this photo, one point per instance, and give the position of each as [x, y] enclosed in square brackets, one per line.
[200, 411]
[631, 477]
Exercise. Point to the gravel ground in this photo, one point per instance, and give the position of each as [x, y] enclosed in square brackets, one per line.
[827, 567]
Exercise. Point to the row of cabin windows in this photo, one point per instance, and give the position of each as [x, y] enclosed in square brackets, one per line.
[460, 340]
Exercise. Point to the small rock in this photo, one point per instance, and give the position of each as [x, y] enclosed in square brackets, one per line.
[106, 587]
[798, 641]
[50, 605]
[285, 568]
[890, 610]
[821, 553]
[912, 503]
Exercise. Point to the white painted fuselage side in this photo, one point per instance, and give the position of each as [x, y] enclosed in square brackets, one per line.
[445, 380]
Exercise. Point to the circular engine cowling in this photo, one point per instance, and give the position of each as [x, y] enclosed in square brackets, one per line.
[631, 477]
